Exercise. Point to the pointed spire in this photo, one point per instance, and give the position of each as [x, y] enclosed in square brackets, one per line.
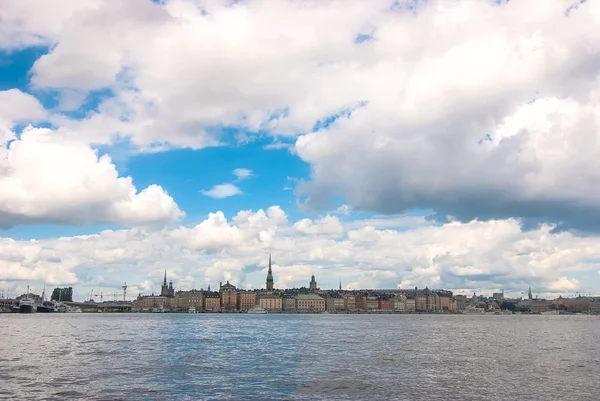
[340, 285]
[270, 271]
[270, 275]
[165, 280]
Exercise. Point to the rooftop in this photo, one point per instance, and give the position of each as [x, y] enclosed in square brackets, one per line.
[308, 297]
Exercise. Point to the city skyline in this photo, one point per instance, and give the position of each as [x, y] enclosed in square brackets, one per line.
[193, 139]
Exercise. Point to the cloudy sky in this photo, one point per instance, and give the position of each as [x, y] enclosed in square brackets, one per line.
[378, 143]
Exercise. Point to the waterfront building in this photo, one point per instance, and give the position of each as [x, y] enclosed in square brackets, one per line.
[461, 302]
[313, 284]
[360, 302]
[386, 304]
[445, 303]
[185, 300]
[270, 302]
[421, 302]
[400, 303]
[212, 301]
[228, 294]
[371, 303]
[349, 301]
[310, 303]
[289, 303]
[246, 300]
[153, 302]
[411, 304]
[334, 302]
[269, 276]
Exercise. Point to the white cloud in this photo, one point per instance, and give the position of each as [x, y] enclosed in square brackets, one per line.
[228, 189]
[242, 173]
[419, 108]
[564, 284]
[482, 256]
[326, 225]
[222, 191]
[45, 178]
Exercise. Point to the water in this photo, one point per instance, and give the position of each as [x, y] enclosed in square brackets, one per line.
[298, 357]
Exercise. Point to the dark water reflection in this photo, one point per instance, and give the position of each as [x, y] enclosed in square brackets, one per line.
[298, 357]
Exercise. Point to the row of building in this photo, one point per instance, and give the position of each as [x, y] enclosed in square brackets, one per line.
[228, 298]
[305, 299]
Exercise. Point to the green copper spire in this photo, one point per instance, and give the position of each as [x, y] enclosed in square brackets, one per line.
[270, 275]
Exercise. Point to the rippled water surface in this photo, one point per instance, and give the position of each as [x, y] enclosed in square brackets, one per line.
[298, 357]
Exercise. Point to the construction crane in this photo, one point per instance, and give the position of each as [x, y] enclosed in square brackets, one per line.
[102, 294]
[124, 287]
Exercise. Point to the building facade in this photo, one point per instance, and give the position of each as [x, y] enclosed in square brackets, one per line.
[246, 300]
[310, 303]
[270, 302]
[228, 294]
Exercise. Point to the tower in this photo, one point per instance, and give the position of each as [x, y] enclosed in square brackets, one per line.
[530, 295]
[270, 276]
[166, 290]
[340, 285]
[313, 283]
[124, 287]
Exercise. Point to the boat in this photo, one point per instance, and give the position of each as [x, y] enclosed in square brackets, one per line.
[551, 312]
[258, 310]
[27, 304]
[192, 310]
[472, 310]
[73, 309]
[45, 309]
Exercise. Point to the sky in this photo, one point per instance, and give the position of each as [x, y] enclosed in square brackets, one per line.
[380, 144]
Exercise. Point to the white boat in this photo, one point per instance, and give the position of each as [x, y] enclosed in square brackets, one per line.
[192, 310]
[472, 310]
[27, 306]
[258, 310]
[551, 312]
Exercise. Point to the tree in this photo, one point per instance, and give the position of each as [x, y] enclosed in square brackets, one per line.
[508, 306]
[62, 294]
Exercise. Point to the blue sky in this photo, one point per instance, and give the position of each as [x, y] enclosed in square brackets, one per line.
[349, 153]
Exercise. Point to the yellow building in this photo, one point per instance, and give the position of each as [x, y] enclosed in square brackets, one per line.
[184, 300]
[270, 302]
[310, 303]
[154, 302]
[421, 303]
[445, 303]
[411, 304]
[212, 301]
[246, 300]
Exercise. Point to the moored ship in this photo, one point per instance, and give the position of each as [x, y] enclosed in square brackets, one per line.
[257, 310]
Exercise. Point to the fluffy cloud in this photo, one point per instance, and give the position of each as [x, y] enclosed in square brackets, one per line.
[440, 121]
[45, 178]
[222, 191]
[242, 173]
[489, 256]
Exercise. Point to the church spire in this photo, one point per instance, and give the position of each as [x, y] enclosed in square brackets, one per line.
[530, 295]
[270, 276]
[165, 280]
[340, 285]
